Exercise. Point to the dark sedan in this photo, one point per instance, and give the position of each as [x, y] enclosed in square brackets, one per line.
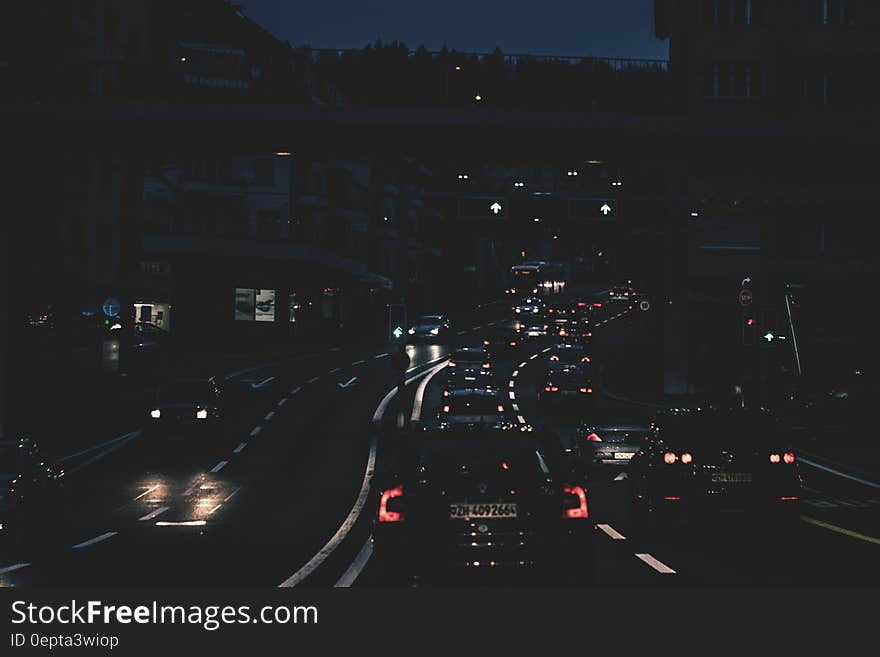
[706, 460]
[490, 504]
[185, 405]
[430, 328]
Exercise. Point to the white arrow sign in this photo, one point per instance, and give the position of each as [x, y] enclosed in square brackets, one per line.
[348, 383]
[768, 336]
[495, 207]
[605, 209]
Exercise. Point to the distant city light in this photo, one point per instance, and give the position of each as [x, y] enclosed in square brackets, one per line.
[282, 153]
[616, 183]
[478, 98]
[457, 67]
[537, 219]
[695, 214]
[183, 59]
[519, 184]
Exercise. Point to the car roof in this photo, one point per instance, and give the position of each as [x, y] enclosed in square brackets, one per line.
[470, 350]
[473, 392]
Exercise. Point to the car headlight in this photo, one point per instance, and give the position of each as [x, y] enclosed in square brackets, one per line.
[435, 331]
[155, 414]
[202, 414]
[412, 331]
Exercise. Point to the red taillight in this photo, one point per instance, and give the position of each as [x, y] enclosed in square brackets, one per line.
[485, 343]
[551, 388]
[587, 335]
[446, 409]
[687, 457]
[597, 305]
[775, 458]
[581, 304]
[505, 465]
[384, 514]
[789, 498]
[512, 343]
[670, 458]
[445, 393]
[589, 391]
[563, 333]
[581, 510]
[486, 366]
[554, 357]
[500, 408]
[452, 363]
[585, 359]
[672, 498]
[788, 457]
[593, 438]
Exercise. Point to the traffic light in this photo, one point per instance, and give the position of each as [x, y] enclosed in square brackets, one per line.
[397, 323]
[749, 328]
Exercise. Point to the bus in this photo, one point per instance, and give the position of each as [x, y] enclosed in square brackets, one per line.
[539, 278]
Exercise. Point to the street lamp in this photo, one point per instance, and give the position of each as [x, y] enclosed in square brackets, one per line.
[478, 98]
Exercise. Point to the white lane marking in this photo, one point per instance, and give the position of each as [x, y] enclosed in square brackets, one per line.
[335, 370]
[313, 379]
[240, 447]
[336, 349]
[613, 533]
[14, 567]
[381, 355]
[515, 408]
[620, 477]
[533, 356]
[461, 332]
[544, 351]
[268, 416]
[430, 362]
[511, 394]
[155, 512]
[344, 528]
[282, 401]
[420, 392]
[520, 419]
[523, 364]
[515, 373]
[380, 409]
[219, 467]
[146, 492]
[256, 431]
[357, 566]
[295, 390]
[511, 384]
[478, 326]
[97, 539]
[358, 362]
[123, 437]
[844, 475]
[263, 383]
[657, 565]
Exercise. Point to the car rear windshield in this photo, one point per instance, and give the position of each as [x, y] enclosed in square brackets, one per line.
[184, 391]
[468, 356]
[452, 455]
[721, 429]
[473, 405]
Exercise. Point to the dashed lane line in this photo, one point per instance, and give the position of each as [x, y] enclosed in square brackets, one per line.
[656, 564]
[613, 533]
[97, 539]
[155, 512]
[217, 468]
[240, 447]
[256, 431]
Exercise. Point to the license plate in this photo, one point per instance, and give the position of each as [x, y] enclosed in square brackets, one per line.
[732, 477]
[623, 456]
[464, 511]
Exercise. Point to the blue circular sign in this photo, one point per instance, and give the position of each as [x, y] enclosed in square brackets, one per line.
[111, 307]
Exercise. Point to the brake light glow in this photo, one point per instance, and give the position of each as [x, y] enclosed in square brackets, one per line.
[485, 343]
[593, 438]
[581, 510]
[789, 498]
[384, 514]
[588, 334]
[500, 408]
[670, 458]
[512, 343]
[687, 457]
[551, 388]
[788, 457]
[585, 359]
[554, 357]
[446, 408]
[486, 366]
[775, 458]
[445, 393]
[505, 465]
[581, 304]
[563, 333]
[587, 390]
[597, 305]
[672, 498]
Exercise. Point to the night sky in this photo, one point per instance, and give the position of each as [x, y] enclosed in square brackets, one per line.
[609, 28]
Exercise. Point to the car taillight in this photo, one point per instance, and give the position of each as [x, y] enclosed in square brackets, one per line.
[588, 391]
[452, 363]
[581, 304]
[500, 408]
[554, 357]
[585, 359]
[670, 458]
[597, 305]
[788, 457]
[485, 343]
[587, 335]
[687, 457]
[789, 498]
[445, 393]
[446, 409]
[551, 388]
[775, 458]
[593, 438]
[563, 333]
[384, 514]
[581, 510]
[486, 366]
[512, 343]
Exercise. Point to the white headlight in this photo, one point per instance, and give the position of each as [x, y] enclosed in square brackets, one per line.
[412, 331]
[155, 413]
[202, 414]
[435, 331]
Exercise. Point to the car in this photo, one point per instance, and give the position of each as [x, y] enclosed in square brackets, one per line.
[533, 331]
[430, 328]
[31, 495]
[622, 293]
[528, 306]
[467, 504]
[501, 342]
[469, 358]
[468, 377]
[565, 382]
[185, 405]
[568, 353]
[608, 442]
[698, 461]
[472, 408]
